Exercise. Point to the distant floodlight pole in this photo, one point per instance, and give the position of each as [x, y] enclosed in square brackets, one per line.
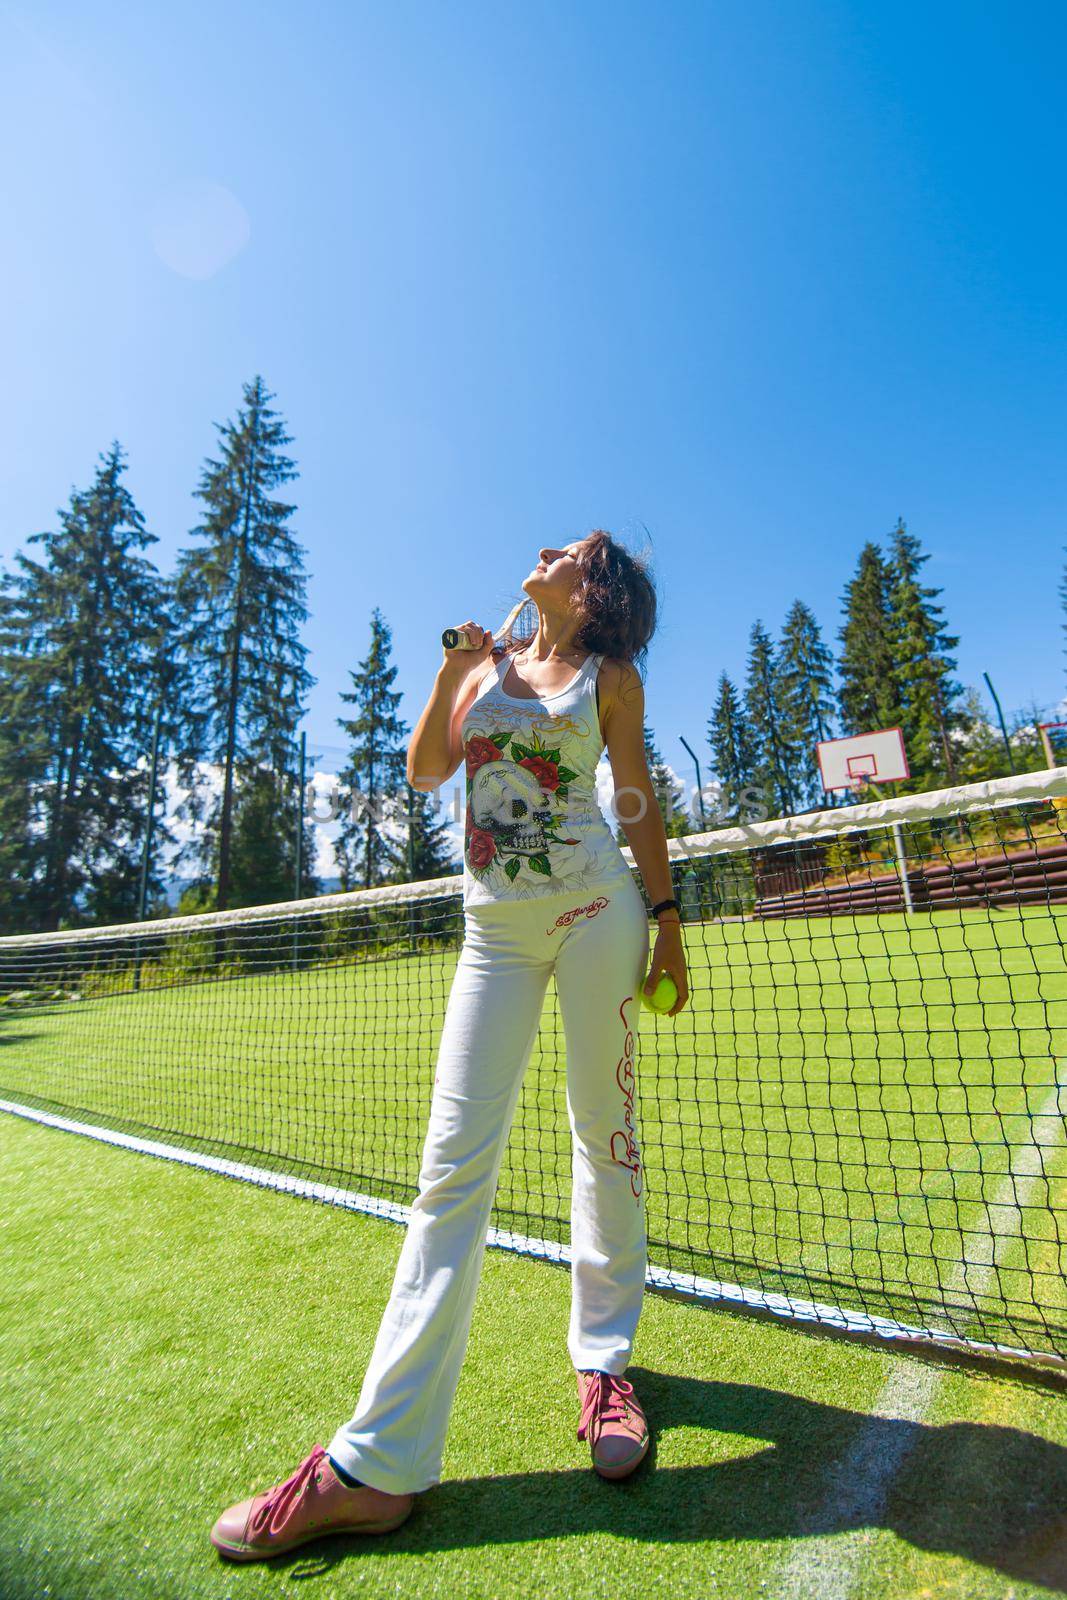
[411, 832]
[298, 884]
[300, 816]
[146, 854]
[700, 789]
[1000, 719]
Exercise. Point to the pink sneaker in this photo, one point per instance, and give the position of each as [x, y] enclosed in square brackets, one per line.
[613, 1422]
[310, 1503]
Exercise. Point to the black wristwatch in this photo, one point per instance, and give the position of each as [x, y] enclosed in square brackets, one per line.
[666, 905]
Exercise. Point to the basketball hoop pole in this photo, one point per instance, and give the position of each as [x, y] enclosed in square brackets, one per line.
[863, 781]
[902, 868]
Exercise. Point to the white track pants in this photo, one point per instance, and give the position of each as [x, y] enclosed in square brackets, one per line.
[597, 946]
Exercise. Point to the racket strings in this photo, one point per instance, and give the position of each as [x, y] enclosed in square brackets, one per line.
[525, 625]
[518, 628]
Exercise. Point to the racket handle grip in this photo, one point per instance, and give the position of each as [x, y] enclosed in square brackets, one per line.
[456, 639]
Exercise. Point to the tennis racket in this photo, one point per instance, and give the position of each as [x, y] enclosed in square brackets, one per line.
[520, 624]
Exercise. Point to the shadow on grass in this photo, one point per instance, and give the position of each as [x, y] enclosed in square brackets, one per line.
[992, 1495]
[7, 1037]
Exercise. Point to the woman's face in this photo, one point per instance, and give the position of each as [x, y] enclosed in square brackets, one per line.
[555, 577]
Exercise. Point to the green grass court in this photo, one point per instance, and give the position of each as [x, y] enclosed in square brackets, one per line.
[861, 1111]
[172, 1340]
[864, 1111]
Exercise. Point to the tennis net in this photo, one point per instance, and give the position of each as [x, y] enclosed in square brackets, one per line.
[857, 1120]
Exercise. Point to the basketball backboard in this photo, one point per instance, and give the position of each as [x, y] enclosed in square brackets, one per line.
[845, 763]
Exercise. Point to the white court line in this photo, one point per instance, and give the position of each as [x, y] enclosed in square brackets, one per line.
[689, 1284]
[827, 1566]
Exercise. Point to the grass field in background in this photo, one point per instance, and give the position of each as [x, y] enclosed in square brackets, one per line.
[172, 1341]
[855, 1110]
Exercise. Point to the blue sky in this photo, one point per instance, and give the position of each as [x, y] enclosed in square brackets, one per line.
[744, 282]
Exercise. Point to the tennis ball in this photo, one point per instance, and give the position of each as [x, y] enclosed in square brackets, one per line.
[663, 995]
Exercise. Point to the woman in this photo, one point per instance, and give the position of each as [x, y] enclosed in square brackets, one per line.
[546, 891]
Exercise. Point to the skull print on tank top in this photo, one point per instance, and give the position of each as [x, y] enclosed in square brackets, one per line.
[534, 825]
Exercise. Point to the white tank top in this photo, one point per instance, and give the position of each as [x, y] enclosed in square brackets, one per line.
[534, 825]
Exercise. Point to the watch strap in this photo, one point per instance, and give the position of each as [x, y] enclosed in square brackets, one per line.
[666, 905]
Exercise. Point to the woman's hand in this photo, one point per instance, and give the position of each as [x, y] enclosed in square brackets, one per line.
[668, 956]
[457, 664]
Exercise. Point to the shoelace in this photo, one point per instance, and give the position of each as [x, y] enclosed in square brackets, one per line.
[272, 1514]
[605, 1401]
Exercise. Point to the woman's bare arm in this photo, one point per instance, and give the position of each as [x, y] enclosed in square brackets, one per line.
[436, 748]
[640, 818]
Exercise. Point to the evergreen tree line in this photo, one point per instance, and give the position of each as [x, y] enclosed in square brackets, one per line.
[98, 648]
[894, 669]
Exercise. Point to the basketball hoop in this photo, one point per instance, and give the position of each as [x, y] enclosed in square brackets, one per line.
[861, 760]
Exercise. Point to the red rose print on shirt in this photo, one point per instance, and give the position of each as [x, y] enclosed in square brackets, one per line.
[546, 772]
[480, 847]
[480, 750]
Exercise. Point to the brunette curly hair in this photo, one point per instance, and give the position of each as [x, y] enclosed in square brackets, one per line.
[616, 597]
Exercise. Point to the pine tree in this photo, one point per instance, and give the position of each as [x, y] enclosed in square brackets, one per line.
[928, 692]
[241, 599]
[806, 675]
[667, 788]
[980, 754]
[373, 774]
[23, 769]
[868, 668]
[81, 668]
[263, 861]
[733, 744]
[431, 853]
[765, 713]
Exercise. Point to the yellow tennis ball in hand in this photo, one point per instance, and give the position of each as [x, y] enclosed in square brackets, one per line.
[663, 995]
